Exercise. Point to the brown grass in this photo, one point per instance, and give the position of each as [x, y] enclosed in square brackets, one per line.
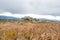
[30, 31]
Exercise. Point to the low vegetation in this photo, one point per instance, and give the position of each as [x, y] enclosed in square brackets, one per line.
[28, 30]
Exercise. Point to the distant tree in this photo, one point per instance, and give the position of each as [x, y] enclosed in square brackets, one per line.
[28, 18]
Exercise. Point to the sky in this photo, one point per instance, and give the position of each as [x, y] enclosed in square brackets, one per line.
[31, 7]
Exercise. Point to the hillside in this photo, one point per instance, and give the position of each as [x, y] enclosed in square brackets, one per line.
[8, 18]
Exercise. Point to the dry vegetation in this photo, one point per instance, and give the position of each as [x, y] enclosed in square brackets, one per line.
[29, 30]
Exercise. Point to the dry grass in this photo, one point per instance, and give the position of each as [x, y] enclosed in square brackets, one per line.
[30, 31]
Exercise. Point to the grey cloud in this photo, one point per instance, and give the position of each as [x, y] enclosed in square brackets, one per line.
[45, 7]
[17, 6]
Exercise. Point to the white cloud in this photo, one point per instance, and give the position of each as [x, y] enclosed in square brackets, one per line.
[31, 15]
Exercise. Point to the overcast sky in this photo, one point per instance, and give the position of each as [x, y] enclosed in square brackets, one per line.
[49, 9]
[41, 7]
